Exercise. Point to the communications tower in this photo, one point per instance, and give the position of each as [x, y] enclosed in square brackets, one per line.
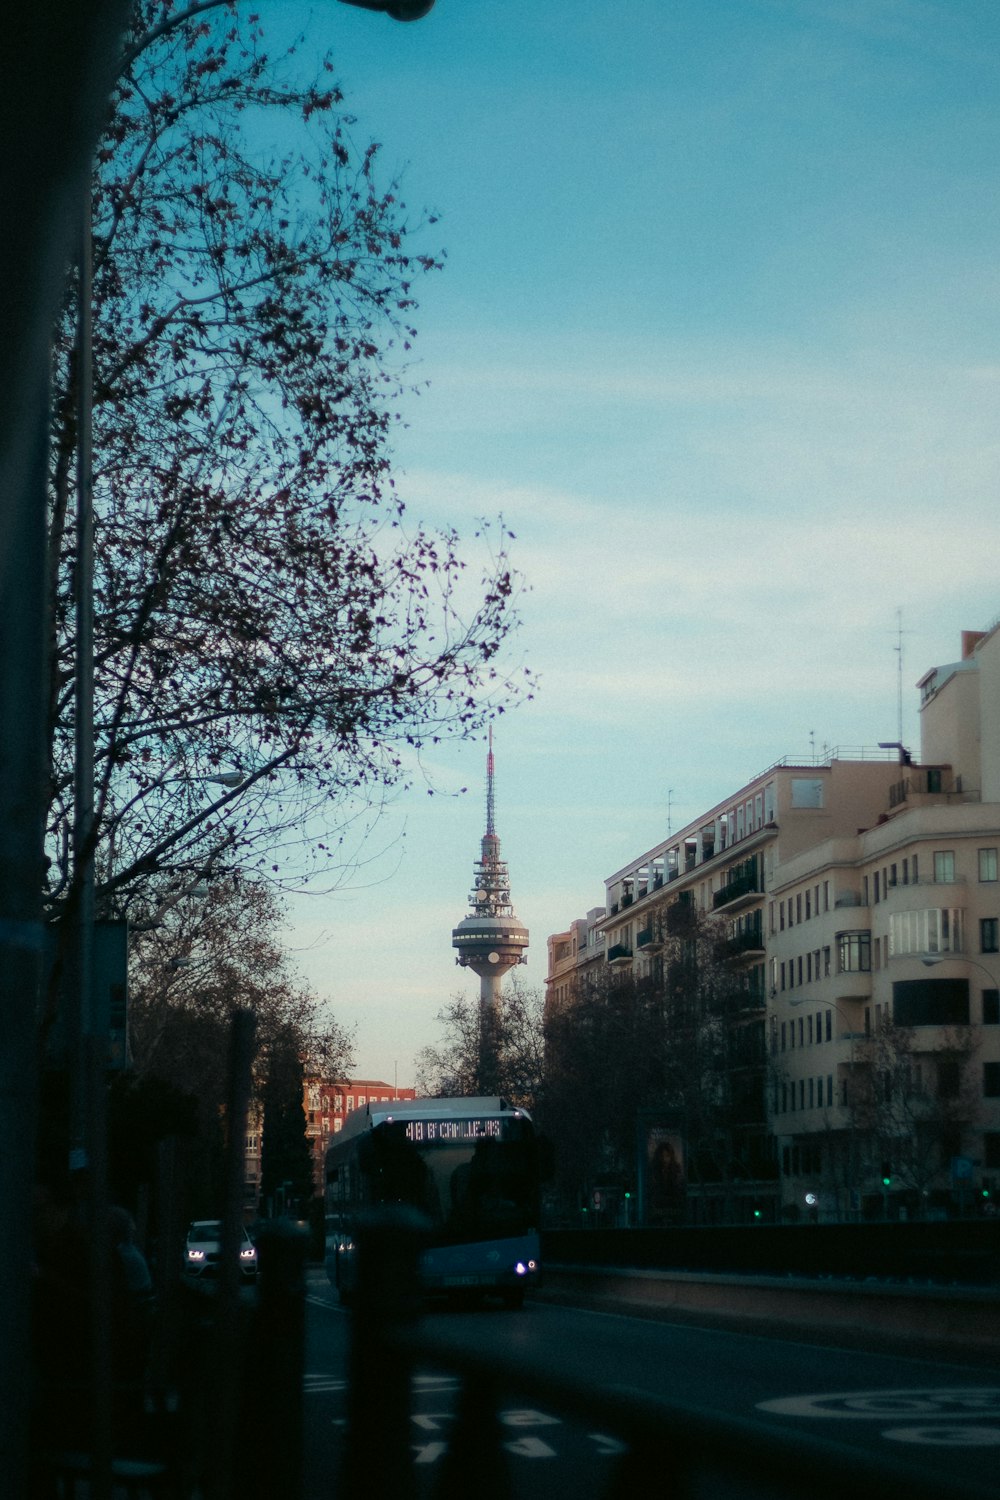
[490, 940]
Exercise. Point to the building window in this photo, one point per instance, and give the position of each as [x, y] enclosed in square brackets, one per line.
[991, 1149]
[854, 952]
[806, 793]
[991, 1080]
[938, 930]
[991, 1007]
[987, 864]
[989, 935]
[944, 866]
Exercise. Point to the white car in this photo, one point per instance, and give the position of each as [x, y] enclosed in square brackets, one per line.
[203, 1248]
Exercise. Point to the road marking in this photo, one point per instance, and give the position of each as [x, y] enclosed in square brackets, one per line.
[431, 1421]
[946, 1402]
[948, 1413]
[946, 1437]
[528, 1419]
[313, 1385]
[530, 1447]
[435, 1383]
[430, 1453]
[607, 1446]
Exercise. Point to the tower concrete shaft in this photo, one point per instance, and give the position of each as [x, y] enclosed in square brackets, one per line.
[490, 940]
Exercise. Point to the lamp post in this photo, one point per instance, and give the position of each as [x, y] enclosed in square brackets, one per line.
[932, 961]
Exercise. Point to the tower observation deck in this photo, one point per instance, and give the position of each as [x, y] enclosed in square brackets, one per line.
[490, 940]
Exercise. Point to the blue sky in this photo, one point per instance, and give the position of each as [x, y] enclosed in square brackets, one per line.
[719, 337]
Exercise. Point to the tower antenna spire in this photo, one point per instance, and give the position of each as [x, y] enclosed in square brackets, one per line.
[490, 940]
[490, 825]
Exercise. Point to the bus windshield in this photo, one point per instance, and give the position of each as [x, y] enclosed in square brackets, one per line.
[474, 1178]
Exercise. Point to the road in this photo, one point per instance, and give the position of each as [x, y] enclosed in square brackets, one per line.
[945, 1416]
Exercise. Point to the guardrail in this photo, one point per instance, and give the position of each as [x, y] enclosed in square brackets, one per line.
[961, 1252]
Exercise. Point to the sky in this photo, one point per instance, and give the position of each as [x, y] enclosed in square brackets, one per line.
[719, 337]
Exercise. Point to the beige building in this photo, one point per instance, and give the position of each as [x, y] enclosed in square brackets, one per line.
[861, 903]
[883, 972]
[571, 956]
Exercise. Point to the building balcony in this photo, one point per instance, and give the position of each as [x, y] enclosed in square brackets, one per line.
[743, 887]
[648, 941]
[739, 895]
[747, 943]
[619, 955]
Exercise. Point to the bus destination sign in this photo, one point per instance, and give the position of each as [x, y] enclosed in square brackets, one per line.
[427, 1132]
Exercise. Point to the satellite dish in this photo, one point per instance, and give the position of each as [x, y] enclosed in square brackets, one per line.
[480, 895]
[494, 958]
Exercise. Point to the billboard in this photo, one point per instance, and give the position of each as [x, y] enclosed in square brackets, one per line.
[661, 1169]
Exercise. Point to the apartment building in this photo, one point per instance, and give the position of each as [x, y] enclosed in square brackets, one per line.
[571, 956]
[328, 1103]
[861, 908]
[883, 974]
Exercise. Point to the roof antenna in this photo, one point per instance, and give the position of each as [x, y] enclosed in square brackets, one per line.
[899, 675]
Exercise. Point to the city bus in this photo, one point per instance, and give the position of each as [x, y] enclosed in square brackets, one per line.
[470, 1166]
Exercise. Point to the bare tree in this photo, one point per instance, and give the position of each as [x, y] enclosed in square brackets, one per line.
[204, 959]
[684, 1039]
[453, 1067]
[913, 1097]
[274, 636]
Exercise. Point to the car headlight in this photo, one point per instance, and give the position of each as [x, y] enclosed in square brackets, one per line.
[248, 1253]
[196, 1255]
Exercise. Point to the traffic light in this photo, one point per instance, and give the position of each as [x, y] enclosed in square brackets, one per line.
[886, 1174]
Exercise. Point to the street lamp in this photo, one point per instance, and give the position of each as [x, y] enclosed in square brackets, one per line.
[963, 958]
